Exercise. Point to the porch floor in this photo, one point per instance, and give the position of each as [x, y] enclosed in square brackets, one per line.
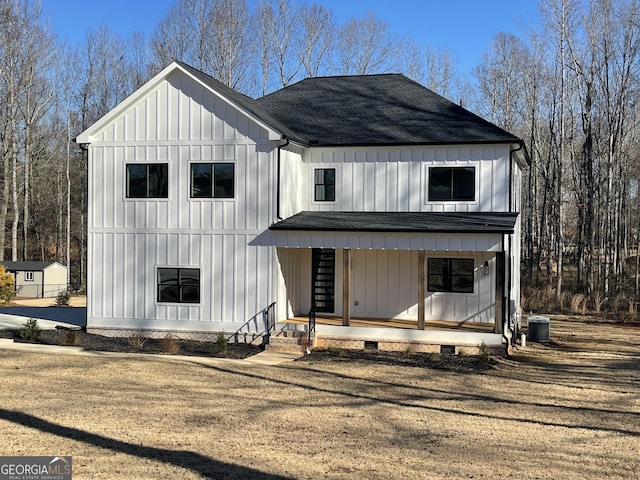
[396, 323]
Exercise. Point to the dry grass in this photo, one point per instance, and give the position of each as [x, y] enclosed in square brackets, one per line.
[570, 409]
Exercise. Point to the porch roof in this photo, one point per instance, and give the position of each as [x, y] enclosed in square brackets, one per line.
[400, 222]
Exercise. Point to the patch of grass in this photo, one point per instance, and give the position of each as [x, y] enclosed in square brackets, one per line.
[31, 330]
[169, 345]
[137, 341]
[69, 338]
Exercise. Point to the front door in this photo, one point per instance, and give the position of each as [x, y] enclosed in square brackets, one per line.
[323, 271]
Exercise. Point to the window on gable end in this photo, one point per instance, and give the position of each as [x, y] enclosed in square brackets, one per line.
[147, 180]
[212, 180]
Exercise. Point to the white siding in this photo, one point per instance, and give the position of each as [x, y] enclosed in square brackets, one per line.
[384, 284]
[180, 123]
[396, 178]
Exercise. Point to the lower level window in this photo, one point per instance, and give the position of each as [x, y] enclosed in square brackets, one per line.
[28, 276]
[450, 275]
[179, 285]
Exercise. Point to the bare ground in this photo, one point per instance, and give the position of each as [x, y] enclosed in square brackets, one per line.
[570, 409]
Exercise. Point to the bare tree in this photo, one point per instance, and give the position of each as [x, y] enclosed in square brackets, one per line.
[279, 26]
[365, 46]
[316, 38]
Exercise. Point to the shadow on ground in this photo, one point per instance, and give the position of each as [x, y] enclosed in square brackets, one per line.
[73, 315]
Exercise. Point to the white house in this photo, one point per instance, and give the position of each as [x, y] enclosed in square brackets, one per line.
[364, 200]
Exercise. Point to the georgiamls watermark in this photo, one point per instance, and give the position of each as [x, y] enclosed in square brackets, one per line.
[35, 468]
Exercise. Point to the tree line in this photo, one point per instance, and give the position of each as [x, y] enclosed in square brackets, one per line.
[568, 87]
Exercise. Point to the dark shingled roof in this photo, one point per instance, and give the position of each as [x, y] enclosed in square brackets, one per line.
[406, 222]
[25, 266]
[387, 109]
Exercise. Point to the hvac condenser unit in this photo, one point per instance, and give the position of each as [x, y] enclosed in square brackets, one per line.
[539, 329]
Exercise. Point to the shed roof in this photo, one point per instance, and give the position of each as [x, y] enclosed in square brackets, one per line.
[419, 222]
[27, 266]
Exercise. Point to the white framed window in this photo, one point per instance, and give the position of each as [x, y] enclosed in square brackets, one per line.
[455, 275]
[324, 185]
[28, 276]
[147, 180]
[452, 184]
[212, 180]
[178, 285]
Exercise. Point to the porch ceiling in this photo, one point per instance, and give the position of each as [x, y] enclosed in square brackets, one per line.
[401, 222]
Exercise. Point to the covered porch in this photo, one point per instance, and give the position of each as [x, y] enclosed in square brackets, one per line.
[402, 278]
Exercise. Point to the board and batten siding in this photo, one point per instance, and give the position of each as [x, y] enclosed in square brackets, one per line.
[384, 284]
[390, 179]
[178, 123]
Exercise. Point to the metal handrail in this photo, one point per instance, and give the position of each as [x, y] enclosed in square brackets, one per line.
[312, 326]
[268, 319]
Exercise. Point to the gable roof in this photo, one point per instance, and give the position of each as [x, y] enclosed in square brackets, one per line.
[27, 266]
[239, 101]
[357, 110]
[386, 109]
[406, 222]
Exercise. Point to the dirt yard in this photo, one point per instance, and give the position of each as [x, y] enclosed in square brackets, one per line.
[567, 410]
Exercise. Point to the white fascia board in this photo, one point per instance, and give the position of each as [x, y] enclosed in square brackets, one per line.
[88, 135]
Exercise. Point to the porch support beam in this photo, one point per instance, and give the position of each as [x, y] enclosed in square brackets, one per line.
[421, 270]
[346, 292]
[500, 289]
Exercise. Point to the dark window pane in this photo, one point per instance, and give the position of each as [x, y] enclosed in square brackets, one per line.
[189, 276]
[168, 276]
[439, 183]
[190, 294]
[462, 266]
[136, 181]
[224, 180]
[464, 185]
[168, 293]
[158, 185]
[201, 180]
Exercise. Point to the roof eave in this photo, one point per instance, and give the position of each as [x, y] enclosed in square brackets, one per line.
[88, 135]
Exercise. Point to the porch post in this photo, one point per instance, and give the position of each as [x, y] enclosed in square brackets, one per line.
[500, 289]
[346, 282]
[421, 269]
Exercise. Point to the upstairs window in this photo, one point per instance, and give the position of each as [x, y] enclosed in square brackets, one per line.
[149, 180]
[179, 285]
[212, 180]
[452, 183]
[324, 185]
[450, 275]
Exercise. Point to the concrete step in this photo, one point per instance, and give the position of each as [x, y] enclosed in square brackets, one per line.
[287, 341]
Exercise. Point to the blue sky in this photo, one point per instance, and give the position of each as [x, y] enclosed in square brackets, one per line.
[465, 27]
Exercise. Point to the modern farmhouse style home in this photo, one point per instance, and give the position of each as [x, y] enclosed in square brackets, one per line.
[370, 204]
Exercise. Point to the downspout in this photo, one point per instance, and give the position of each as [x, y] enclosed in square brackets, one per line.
[278, 176]
[512, 327]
